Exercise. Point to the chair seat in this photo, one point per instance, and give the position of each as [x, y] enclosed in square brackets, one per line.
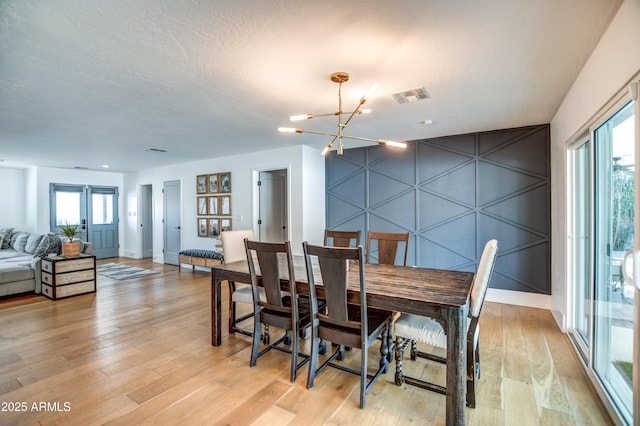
[422, 329]
[243, 294]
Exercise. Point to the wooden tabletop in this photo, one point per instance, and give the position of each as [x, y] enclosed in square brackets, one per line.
[396, 288]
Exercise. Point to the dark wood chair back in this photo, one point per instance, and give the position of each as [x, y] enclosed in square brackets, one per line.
[342, 323]
[388, 245]
[338, 324]
[266, 255]
[281, 309]
[341, 238]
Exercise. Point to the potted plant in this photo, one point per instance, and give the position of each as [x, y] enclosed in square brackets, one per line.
[70, 248]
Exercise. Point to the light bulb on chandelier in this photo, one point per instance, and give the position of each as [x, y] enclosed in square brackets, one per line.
[341, 77]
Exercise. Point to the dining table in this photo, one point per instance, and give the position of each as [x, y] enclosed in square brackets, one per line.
[437, 293]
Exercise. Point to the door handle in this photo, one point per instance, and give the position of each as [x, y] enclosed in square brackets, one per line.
[634, 279]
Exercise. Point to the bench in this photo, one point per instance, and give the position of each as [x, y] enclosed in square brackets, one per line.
[198, 257]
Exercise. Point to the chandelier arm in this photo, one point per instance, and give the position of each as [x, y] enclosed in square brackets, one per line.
[336, 135]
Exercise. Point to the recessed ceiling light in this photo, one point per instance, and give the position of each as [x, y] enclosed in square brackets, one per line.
[105, 166]
[427, 122]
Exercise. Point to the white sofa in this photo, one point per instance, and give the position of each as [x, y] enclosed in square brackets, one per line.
[20, 255]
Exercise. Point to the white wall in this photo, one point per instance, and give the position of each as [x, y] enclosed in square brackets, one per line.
[12, 194]
[613, 62]
[307, 214]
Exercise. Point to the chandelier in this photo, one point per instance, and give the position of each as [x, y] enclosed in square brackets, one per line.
[341, 77]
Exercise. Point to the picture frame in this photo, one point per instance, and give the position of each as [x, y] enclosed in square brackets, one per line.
[212, 187]
[201, 184]
[214, 228]
[225, 225]
[225, 205]
[225, 182]
[202, 206]
[213, 206]
[202, 227]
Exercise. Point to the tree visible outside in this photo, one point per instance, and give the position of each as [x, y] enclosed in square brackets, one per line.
[623, 198]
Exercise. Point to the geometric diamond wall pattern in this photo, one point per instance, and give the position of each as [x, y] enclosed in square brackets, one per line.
[453, 194]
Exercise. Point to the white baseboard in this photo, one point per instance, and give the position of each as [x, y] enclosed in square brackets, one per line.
[519, 298]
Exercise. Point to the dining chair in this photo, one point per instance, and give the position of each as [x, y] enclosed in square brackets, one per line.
[409, 329]
[342, 323]
[281, 308]
[233, 250]
[341, 238]
[388, 246]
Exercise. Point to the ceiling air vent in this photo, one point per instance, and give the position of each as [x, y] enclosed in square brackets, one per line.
[156, 150]
[412, 95]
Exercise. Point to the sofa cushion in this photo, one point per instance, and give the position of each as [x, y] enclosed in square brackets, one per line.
[32, 243]
[5, 237]
[21, 242]
[50, 243]
[16, 268]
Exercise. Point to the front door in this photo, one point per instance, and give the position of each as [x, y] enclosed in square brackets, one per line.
[95, 208]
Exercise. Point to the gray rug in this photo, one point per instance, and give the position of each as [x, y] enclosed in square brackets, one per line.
[123, 272]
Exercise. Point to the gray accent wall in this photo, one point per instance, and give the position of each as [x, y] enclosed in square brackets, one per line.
[452, 195]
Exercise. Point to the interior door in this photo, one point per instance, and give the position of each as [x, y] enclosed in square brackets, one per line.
[272, 222]
[102, 226]
[172, 221]
[145, 218]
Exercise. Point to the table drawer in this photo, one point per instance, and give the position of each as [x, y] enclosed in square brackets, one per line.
[59, 292]
[74, 265]
[46, 265]
[73, 289]
[47, 291]
[74, 277]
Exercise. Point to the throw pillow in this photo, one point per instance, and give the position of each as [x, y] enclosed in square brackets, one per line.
[14, 237]
[50, 243]
[21, 242]
[6, 237]
[32, 243]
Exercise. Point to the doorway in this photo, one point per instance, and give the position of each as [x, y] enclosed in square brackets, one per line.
[273, 205]
[95, 208]
[145, 221]
[172, 221]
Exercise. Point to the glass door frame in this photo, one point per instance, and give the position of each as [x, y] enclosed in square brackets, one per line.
[587, 352]
[572, 275]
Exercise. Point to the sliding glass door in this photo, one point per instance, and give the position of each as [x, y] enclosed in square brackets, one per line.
[603, 217]
[614, 143]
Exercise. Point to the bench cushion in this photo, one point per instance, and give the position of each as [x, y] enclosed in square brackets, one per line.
[207, 254]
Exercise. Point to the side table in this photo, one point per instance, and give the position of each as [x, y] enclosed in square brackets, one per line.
[64, 277]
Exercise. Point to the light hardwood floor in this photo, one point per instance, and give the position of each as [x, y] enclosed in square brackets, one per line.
[139, 352]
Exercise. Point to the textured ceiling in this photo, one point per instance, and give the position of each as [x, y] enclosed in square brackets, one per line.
[86, 83]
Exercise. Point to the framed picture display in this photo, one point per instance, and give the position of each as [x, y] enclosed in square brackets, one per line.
[225, 182]
[213, 206]
[225, 205]
[225, 224]
[214, 227]
[202, 228]
[213, 184]
[202, 206]
[201, 184]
